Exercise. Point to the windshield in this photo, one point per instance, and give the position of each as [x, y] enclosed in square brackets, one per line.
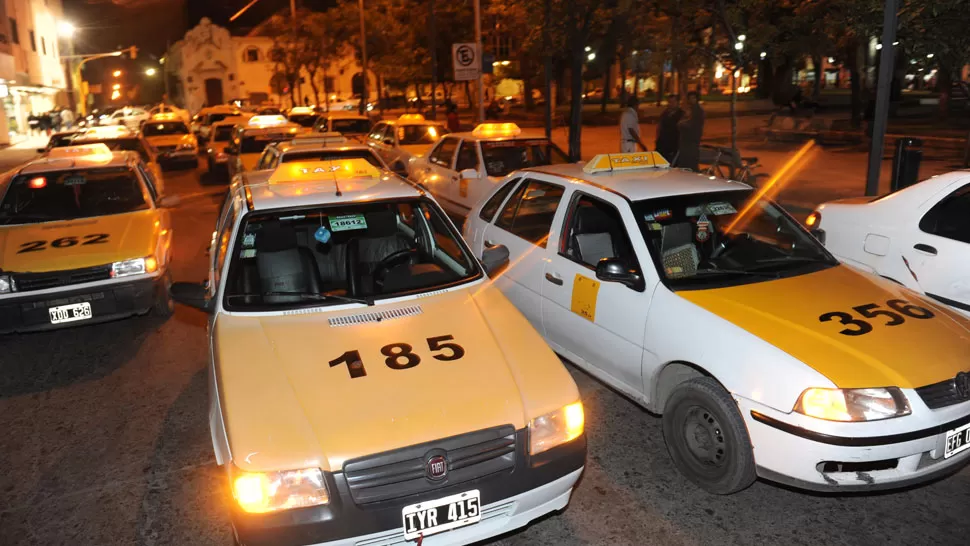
[408, 135]
[213, 118]
[66, 195]
[725, 238]
[60, 140]
[304, 120]
[119, 145]
[503, 157]
[162, 128]
[223, 133]
[327, 155]
[359, 126]
[363, 251]
[256, 143]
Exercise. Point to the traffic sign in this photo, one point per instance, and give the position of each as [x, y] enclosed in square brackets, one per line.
[464, 58]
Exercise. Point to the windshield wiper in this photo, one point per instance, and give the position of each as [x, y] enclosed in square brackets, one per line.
[798, 260]
[4, 217]
[310, 296]
[706, 272]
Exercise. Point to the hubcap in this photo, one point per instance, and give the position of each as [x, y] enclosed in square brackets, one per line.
[704, 437]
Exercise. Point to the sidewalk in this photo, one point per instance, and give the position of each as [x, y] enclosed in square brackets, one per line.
[21, 152]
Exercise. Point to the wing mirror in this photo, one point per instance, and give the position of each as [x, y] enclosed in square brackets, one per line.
[495, 259]
[42, 150]
[616, 270]
[389, 141]
[192, 294]
[468, 173]
[819, 234]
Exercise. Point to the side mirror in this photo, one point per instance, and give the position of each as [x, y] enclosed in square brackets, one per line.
[495, 259]
[818, 234]
[615, 270]
[468, 173]
[169, 201]
[191, 294]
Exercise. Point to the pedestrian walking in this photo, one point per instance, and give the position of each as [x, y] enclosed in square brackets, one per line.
[630, 127]
[454, 124]
[56, 120]
[691, 128]
[67, 119]
[33, 123]
[45, 123]
[668, 134]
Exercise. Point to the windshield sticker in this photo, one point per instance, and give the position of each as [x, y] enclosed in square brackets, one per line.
[654, 226]
[703, 229]
[717, 208]
[347, 223]
[248, 253]
[75, 180]
[585, 292]
[322, 235]
[495, 166]
[249, 240]
[662, 214]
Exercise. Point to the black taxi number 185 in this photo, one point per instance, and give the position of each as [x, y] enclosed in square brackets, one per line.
[401, 356]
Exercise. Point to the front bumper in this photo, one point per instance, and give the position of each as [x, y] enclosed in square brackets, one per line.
[868, 460]
[27, 312]
[536, 486]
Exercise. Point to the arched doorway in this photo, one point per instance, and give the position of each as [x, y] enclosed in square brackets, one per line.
[213, 91]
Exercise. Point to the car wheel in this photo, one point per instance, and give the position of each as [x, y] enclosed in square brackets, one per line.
[164, 305]
[707, 438]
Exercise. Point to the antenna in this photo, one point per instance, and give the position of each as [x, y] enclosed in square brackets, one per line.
[336, 180]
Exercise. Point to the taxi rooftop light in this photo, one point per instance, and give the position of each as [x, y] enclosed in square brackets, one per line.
[324, 171]
[411, 117]
[97, 151]
[320, 138]
[604, 163]
[267, 121]
[497, 130]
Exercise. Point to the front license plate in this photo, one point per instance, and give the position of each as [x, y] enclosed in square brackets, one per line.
[957, 440]
[440, 515]
[70, 313]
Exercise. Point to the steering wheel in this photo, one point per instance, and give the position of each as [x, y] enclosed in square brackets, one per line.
[391, 260]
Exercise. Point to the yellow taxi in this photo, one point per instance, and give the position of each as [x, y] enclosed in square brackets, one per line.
[368, 384]
[409, 136]
[249, 139]
[171, 139]
[84, 237]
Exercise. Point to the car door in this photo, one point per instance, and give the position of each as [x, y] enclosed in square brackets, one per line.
[468, 190]
[474, 228]
[939, 252]
[588, 320]
[523, 226]
[436, 173]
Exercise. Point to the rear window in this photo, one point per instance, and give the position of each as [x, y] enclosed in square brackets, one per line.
[66, 195]
[360, 126]
[505, 156]
[223, 133]
[162, 128]
[120, 145]
[408, 135]
[304, 120]
[213, 118]
[257, 143]
[329, 155]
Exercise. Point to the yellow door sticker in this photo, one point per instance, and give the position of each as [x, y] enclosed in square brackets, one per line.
[585, 291]
[463, 187]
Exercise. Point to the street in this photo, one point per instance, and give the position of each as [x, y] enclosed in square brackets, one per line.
[105, 435]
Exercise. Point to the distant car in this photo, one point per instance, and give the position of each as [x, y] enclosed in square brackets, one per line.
[594, 94]
[130, 117]
[349, 124]
[316, 147]
[304, 116]
[248, 141]
[202, 122]
[171, 140]
[409, 136]
[179, 113]
[220, 134]
[118, 139]
[58, 140]
[918, 236]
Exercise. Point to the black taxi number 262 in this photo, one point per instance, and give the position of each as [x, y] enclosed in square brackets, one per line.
[401, 356]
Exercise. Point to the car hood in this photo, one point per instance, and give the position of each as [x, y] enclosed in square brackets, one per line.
[100, 240]
[289, 400]
[170, 140]
[786, 313]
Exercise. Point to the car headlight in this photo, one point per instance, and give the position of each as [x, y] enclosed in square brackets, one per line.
[853, 404]
[186, 146]
[556, 428]
[261, 492]
[137, 266]
[6, 284]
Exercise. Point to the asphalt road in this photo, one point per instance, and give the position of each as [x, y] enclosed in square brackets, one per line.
[104, 441]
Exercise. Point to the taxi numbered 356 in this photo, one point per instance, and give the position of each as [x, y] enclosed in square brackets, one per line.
[84, 237]
[367, 382]
[708, 304]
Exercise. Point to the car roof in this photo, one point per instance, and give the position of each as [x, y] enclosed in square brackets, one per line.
[639, 184]
[49, 164]
[919, 193]
[233, 120]
[271, 130]
[218, 109]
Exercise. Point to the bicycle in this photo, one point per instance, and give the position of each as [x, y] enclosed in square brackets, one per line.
[737, 167]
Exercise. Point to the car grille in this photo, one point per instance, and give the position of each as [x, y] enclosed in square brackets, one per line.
[400, 473]
[941, 395]
[26, 282]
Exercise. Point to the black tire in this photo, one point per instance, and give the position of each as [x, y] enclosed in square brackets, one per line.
[707, 438]
[164, 305]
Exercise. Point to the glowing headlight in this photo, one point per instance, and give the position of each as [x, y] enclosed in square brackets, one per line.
[187, 146]
[137, 266]
[260, 492]
[552, 429]
[6, 284]
[853, 404]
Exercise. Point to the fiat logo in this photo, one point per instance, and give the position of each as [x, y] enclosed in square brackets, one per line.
[437, 468]
[962, 384]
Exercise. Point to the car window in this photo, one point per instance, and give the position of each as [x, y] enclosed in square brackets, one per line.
[443, 154]
[408, 135]
[950, 218]
[377, 133]
[467, 156]
[503, 157]
[330, 155]
[255, 144]
[71, 194]
[594, 231]
[495, 201]
[213, 118]
[224, 237]
[149, 180]
[303, 120]
[529, 212]
[355, 126]
[162, 128]
[222, 133]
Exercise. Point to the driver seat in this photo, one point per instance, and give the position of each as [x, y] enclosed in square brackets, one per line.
[284, 266]
[594, 236]
[365, 251]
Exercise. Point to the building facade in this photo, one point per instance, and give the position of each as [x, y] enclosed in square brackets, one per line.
[210, 66]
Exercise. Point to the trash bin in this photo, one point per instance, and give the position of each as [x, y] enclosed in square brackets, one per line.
[906, 160]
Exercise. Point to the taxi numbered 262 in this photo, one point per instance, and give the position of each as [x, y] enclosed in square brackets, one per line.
[367, 382]
[84, 237]
[708, 304]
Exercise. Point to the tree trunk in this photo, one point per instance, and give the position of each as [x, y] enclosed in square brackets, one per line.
[944, 85]
[660, 84]
[468, 96]
[765, 81]
[817, 89]
[855, 84]
[576, 102]
[326, 91]
[607, 85]
[313, 86]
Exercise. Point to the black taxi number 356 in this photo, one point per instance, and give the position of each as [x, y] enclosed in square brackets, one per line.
[857, 327]
[401, 356]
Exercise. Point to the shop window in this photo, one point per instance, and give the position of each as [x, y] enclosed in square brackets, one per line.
[251, 55]
[33, 41]
[14, 33]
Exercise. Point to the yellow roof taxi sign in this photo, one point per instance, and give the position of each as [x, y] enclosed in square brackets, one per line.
[324, 171]
[411, 117]
[267, 121]
[165, 116]
[86, 151]
[603, 163]
[490, 130]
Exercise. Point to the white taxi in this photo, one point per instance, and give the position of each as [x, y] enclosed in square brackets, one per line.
[409, 136]
[918, 236]
[368, 384]
[463, 168]
[247, 142]
[350, 124]
[315, 147]
[708, 304]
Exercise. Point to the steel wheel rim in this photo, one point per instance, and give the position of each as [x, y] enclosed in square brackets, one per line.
[704, 437]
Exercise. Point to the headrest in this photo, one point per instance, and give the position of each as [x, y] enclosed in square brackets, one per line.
[275, 238]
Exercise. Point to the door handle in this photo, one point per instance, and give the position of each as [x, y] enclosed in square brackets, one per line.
[925, 248]
[554, 279]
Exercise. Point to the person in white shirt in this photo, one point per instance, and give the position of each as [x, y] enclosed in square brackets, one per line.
[630, 127]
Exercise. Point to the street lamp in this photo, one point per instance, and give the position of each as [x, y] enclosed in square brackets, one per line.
[116, 73]
[66, 29]
[150, 72]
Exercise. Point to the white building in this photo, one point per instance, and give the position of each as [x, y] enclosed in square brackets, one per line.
[212, 67]
[31, 73]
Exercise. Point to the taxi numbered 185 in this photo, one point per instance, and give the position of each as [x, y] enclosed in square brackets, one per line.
[708, 304]
[367, 382]
[84, 237]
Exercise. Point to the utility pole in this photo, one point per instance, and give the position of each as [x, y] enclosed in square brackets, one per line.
[434, 65]
[547, 49]
[478, 46]
[882, 97]
[363, 60]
